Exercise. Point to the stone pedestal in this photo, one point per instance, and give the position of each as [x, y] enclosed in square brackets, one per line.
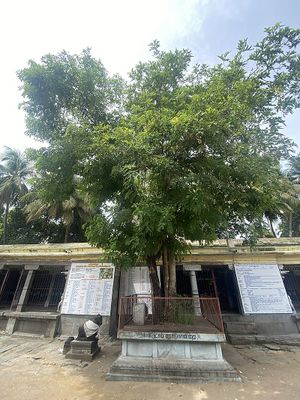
[139, 313]
[83, 350]
[171, 357]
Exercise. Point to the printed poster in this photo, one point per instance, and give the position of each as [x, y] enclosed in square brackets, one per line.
[262, 289]
[89, 289]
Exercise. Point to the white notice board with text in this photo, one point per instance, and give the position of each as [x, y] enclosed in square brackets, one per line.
[89, 289]
[261, 289]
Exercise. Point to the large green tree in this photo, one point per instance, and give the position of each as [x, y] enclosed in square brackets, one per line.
[182, 153]
[197, 151]
[61, 93]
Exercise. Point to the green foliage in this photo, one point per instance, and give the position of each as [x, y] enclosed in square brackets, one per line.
[178, 153]
[290, 220]
[182, 312]
[71, 213]
[14, 171]
[41, 230]
[62, 93]
[290, 223]
[64, 89]
[196, 153]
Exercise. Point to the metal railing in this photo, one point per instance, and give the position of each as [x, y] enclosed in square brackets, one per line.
[46, 290]
[173, 310]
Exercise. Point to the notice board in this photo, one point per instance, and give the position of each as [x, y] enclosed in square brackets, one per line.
[89, 289]
[261, 289]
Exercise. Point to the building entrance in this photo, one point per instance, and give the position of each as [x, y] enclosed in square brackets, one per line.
[219, 282]
[9, 284]
[291, 280]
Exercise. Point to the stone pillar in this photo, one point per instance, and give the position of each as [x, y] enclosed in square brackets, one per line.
[195, 293]
[27, 285]
[46, 305]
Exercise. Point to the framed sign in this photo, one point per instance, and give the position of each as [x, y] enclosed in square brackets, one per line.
[261, 289]
[89, 289]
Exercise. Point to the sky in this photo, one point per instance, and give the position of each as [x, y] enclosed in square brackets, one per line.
[118, 32]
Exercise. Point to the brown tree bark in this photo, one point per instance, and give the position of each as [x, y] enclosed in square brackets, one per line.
[151, 261]
[172, 274]
[6, 211]
[67, 233]
[290, 224]
[166, 270]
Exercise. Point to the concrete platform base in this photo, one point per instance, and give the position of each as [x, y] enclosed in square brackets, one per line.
[83, 350]
[28, 323]
[178, 371]
[171, 357]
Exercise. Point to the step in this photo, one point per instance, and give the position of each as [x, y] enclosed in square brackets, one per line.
[245, 328]
[237, 318]
[204, 377]
[260, 339]
[179, 371]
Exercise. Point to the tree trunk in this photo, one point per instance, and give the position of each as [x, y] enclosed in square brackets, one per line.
[151, 261]
[5, 222]
[172, 274]
[166, 270]
[272, 228]
[290, 224]
[67, 231]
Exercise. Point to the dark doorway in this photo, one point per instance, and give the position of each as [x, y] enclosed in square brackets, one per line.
[227, 290]
[183, 282]
[206, 283]
[9, 280]
[291, 280]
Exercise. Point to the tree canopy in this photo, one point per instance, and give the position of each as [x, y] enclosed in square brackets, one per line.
[180, 152]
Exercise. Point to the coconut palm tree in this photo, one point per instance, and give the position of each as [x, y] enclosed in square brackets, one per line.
[14, 170]
[294, 177]
[66, 210]
[294, 169]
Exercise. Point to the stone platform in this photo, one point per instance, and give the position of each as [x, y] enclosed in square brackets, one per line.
[172, 357]
[35, 323]
[83, 350]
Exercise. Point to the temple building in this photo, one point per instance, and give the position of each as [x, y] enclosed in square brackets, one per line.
[49, 289]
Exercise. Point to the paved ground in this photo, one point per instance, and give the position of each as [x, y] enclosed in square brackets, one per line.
[37, 370]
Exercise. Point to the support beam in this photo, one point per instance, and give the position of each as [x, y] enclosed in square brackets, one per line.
[195, 293]
[47, 302]
[27, 286]
[4, 283]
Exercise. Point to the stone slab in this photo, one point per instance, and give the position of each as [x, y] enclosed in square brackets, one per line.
[171, 336]
[240, 327]
[178, 371]
[260, 339]
[139, 313]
